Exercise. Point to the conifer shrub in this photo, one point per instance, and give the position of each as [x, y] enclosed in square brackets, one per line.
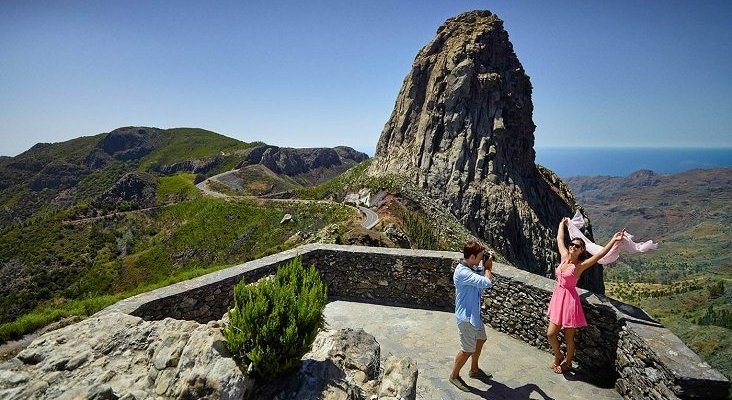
[274, 321]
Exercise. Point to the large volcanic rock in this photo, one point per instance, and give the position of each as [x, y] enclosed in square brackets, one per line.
[462, 130]
[128, 143]
[308, 166]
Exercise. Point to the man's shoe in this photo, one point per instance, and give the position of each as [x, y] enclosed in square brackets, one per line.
[480, 375]
[459, 384]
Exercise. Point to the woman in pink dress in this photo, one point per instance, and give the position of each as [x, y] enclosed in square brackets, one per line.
[565, 307]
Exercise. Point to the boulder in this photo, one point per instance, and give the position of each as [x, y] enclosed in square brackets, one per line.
[116, 355]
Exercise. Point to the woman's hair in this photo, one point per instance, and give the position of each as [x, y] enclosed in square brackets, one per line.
[471, 249]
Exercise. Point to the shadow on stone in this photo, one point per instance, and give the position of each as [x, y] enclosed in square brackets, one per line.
[499, 391]
[591, 377]
[597, 344]
[640, 316]
[314, 378]
[390, 303]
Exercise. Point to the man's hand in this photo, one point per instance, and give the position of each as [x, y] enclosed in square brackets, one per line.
[488, 261]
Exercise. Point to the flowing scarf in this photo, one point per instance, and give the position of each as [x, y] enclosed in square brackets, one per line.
[627, 245]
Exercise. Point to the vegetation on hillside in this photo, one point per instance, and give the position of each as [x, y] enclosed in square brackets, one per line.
[351, 180]
[48, 263]
[425, 222]
[257, 180]
[183, 144]
[53, 177]
[687, 282]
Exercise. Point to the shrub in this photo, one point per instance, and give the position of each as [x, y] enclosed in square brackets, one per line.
[419, 230]
[274, 321]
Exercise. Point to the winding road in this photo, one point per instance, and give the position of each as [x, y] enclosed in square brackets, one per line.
[371, 217]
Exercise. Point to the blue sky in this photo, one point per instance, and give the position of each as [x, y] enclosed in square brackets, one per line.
[326, 73]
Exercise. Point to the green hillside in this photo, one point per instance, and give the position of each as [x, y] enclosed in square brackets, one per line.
[52, 177]
[183, 144]
[48, 265]
[257, 180]
[95, 219]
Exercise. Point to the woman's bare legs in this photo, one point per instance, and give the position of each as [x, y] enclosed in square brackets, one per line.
[552, 333]
[569, 338]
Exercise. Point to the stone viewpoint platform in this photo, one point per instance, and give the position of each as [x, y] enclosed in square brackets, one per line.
[622, 347]
[430, 338]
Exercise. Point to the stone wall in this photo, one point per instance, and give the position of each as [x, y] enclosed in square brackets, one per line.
[621, 345]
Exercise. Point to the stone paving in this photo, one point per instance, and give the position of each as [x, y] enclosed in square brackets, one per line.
[430, 338]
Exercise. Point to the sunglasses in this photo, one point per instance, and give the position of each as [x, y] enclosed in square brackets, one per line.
[579, 246]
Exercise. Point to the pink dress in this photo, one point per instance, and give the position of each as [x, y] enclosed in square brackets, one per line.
[565, 307]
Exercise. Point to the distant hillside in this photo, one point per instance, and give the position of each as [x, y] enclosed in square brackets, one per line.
[88, 221]
[275, 169]
[687, 282]
[655, 205]
[689, 213]
[52, 177]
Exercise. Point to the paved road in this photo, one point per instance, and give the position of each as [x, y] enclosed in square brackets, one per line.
[520, 372]
[371, 217]
[202, 186]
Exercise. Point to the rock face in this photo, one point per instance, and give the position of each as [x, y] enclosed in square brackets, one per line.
[310, 165]
[118, 356]
[133, 191]
[128, 143]
[290, 161]
[57, 175]
[196, 166]
[346, 364]
[462, 131]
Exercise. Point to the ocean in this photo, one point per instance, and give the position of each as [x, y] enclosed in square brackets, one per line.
[568, 162]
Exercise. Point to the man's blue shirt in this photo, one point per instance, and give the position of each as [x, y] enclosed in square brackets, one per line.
[468, 287]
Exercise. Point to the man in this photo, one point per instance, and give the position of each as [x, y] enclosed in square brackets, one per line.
[469, 285]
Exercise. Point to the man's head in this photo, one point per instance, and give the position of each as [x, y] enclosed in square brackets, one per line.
[473, 253]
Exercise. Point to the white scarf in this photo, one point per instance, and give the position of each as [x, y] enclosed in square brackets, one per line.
[626, 244]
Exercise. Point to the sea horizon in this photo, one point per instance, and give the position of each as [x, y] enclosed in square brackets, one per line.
[568, 162]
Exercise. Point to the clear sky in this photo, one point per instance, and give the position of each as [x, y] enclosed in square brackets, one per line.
[327, 73]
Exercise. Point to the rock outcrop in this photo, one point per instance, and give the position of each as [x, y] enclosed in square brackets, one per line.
[195, 166]
[118, 356]
[128, 143]
[310, 166]
[57, 175]
[346, 364]
[462, 131]
[135, 190]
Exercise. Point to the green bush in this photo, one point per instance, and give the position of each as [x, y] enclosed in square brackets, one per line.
[274, 321]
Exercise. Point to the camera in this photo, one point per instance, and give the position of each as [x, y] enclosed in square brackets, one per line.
[487, 256]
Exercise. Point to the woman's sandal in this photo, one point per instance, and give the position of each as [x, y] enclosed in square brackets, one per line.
[554, 363]
[561, 368]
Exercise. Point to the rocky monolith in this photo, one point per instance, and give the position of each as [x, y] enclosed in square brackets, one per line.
[462, 131]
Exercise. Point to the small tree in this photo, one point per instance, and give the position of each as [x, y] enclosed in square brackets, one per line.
[274, 321]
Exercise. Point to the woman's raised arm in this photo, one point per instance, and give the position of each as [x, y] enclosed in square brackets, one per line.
[560, 239]
[618, 236]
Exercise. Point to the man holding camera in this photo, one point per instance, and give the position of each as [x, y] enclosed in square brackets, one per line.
[470, 280]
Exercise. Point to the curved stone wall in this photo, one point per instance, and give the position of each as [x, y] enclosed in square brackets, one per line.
[621, 345]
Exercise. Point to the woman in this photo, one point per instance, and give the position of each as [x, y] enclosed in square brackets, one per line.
[565, 307]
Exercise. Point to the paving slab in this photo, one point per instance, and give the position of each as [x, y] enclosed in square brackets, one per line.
[430, 338]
